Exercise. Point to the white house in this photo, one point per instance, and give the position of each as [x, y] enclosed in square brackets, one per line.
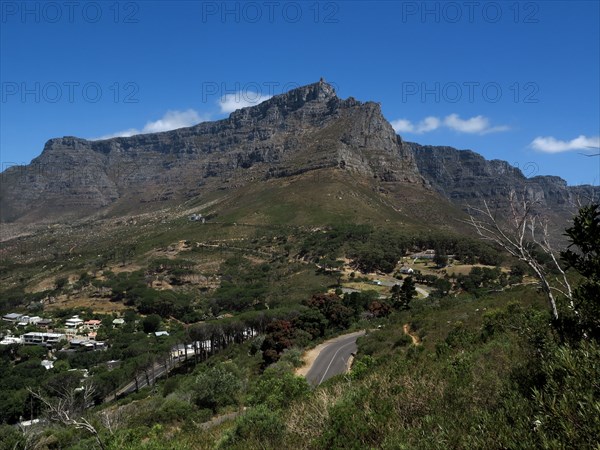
[73, 322]
[46, 339]
[8, 340]
[48, 364]
[26, 320]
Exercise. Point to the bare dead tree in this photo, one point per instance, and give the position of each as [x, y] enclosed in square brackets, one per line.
[520, 233]
[68, 407]
[112, 419]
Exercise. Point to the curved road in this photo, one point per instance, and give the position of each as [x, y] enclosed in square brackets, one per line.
[333, 359]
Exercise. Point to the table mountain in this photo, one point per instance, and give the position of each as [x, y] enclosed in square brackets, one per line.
[305, 129]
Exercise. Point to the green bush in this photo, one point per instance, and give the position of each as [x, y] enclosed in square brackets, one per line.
[277, 390]
[568, 403]
[217, 387]
[258, 425]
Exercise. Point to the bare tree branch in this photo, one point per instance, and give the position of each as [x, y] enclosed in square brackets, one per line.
[68, 407]
[519, 235]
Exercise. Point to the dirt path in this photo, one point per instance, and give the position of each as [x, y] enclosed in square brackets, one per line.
[414, 337]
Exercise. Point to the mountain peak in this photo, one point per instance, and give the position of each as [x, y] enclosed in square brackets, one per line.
[319, 91]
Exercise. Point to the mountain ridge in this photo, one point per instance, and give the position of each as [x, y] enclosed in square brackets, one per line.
[308, 128]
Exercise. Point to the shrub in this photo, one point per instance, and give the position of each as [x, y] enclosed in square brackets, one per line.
[217, 387]
[258, 425]
[276, 390]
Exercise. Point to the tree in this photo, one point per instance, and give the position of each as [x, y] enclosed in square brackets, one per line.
[332, 307]
[277, 390]
[404, 294]
[442, 287]
[312, 321]
[523, 235]
[583, 255]
[279, 337]
[60, 283]
[151, 323]
[440, 258]
[68, 407]
[379, 308]
[217, 386]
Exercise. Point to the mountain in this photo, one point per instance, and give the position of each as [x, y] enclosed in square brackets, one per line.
[288, 137]
[305, 129]
[465, 177]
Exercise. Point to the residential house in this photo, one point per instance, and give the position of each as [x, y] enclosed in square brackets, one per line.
[74, 322]
[87, 344]
[12, 317]
[118, 322]
[27, 320]
[92, 324]
[427, 254]
[47, 339]
[9, 340]
[48, 364]
[44, 324]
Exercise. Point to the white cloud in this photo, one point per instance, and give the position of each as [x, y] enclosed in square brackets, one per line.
[170, 121]
[550, 144]
[406, 126]
[231, 102]
[474, 125]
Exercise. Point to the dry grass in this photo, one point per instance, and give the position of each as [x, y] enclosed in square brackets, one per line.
[306, 420]
[97, 305]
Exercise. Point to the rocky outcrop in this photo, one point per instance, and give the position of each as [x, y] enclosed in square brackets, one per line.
[305, 129]
[466, 177]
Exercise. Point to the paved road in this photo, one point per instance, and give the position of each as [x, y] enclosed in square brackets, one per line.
[333, 359]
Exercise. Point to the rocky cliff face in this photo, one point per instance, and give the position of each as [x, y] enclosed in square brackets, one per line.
[305, 129]
[466, 177]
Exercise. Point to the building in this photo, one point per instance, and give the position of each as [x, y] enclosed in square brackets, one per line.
[48, 364]
[12, 317]
[46, 339]
[118, 322]
[26, 320]
[93, 324]
[427, 254]
[9, 340]
[86, 344]
[74, 322]
[44, 323]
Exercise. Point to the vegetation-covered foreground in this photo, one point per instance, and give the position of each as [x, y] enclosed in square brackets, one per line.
[487, 366]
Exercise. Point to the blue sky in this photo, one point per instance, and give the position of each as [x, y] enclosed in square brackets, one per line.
[518, 81]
